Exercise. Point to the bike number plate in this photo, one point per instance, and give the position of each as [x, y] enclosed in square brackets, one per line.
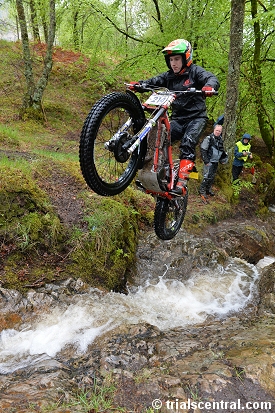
[158, 100]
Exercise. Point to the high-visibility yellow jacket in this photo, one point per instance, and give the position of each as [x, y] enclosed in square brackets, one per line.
[239, 158]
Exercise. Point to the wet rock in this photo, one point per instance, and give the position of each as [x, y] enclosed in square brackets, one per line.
[176, 258]
[267, 290]
[230, 366]
[248, 240]
[230, 358]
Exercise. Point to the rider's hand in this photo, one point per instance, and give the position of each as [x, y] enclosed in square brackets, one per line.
[133, 84]
[208, 91]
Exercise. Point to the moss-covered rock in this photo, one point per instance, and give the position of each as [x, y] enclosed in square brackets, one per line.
[26, 216]
[105, 250]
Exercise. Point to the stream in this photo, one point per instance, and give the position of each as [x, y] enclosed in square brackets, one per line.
[185, 324]
[161, 302]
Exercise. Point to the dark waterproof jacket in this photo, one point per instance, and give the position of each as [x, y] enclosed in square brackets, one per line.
[212, 150]
[189, 106]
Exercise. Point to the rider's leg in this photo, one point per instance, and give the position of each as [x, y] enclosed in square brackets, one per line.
[186, 166]
[192, 131]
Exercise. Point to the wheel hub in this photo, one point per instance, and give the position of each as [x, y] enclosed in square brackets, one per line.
[121, 153]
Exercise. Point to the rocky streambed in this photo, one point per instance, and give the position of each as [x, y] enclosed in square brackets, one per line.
[195, 326]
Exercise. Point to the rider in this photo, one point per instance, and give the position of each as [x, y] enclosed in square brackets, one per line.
[189, 115]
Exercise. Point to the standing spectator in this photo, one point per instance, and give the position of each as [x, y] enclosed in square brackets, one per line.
[241, 154]
[212, 152]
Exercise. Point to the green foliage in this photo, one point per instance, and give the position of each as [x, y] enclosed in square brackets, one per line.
[124, 40]
[36, 230]
[99, 251]
[97, 398]
[130, 36]
[238, 185]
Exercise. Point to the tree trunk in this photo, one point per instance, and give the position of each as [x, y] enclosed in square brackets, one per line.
[32, 101]
[232, 88]
[75, 30]
[42, 14]
[48, 61]
[27, 100]
[35, 29]
[233, 77]
[262, 115]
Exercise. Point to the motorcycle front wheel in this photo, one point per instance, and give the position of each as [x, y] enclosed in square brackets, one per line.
[109, 170]
[169, 216]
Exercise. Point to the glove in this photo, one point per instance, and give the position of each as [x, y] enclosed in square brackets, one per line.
[132, 85]
[208, 91]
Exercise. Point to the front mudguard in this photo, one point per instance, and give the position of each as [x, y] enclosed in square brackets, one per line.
[134, 97]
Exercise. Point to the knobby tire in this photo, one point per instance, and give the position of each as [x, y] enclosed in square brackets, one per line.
[103, 172]
[169, 216]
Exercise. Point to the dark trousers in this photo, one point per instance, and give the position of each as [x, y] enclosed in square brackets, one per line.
[189, 134]
[209, 173]
[236, 170]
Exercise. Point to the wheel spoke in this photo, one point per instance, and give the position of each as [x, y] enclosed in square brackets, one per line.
[105, 162]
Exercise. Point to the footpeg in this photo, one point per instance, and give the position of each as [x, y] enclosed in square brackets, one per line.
[180, 188]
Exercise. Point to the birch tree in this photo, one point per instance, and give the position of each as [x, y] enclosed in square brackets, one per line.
[32, 99]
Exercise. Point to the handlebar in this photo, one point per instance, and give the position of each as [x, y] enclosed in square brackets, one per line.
[194, 90]
[141, 88]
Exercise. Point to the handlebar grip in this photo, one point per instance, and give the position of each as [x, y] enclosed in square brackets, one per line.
[194, 90]
[141, 88]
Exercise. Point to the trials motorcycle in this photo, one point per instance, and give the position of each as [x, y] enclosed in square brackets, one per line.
[122, 136]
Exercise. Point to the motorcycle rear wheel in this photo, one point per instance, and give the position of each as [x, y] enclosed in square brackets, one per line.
[109, 172]
[169, 216]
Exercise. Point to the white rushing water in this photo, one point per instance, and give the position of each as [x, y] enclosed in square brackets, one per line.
[165, 304]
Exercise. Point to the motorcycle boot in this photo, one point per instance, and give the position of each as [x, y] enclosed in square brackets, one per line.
[186, 166]
[203, 192]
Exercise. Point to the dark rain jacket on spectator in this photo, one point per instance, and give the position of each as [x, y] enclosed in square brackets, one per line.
[212, 149]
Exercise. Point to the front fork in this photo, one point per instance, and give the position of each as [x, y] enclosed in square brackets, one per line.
[164, 141]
